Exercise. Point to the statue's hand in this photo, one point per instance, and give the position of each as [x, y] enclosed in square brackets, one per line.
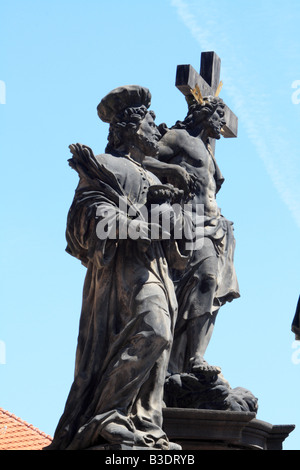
[180, 178]
[159, 193]
[164, 193]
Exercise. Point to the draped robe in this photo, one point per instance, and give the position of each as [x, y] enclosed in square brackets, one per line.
[129, 309]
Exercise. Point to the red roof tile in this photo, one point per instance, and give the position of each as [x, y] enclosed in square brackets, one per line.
[16, 434]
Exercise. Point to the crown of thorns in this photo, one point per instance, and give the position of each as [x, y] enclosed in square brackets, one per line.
[198, 95]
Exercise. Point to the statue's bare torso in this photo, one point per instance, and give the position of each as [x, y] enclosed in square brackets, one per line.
[180, 148]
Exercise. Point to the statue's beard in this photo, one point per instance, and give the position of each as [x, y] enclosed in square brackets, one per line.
[148, 147]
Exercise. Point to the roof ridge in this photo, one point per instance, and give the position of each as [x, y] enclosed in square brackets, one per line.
[30, 426]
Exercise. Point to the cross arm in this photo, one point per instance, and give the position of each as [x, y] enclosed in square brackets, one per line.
[186, 80]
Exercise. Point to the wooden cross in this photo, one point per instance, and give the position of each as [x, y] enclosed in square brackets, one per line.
[208, 81]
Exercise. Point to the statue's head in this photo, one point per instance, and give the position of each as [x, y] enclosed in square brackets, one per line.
[209, 115]
[131, 123]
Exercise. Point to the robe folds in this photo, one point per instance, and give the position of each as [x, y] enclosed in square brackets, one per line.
[129, 310]
[218, 243]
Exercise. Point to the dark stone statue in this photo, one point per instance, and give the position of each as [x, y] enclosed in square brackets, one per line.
[129, 304]
[159, 257]
[210, 279]
[296, 322]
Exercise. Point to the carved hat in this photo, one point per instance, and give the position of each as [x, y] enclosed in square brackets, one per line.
[121, 98]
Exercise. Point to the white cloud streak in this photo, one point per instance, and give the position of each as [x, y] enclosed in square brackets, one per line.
[277, 154]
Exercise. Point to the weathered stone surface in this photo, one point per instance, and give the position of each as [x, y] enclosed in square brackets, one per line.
[222, 430]
[150, 298]
[129, 303]
[202, 391]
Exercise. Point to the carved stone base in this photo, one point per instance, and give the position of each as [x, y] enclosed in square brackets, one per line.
[195, 430]
[118, 447]
[222, 430]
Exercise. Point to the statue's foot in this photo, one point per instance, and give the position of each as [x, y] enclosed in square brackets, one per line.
[174, 446]
[167, 445]
[116, 433]
[198, 365]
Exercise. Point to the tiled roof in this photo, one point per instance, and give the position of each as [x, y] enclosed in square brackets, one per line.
[16, 434]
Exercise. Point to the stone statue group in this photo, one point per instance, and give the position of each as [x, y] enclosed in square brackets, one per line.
[149, 301]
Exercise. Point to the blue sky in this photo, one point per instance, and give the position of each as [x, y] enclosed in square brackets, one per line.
[58, 59]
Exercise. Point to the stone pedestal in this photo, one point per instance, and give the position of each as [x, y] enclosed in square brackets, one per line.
[196, 430]
[222, 430]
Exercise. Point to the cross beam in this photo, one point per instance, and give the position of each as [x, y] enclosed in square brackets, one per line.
[187, 78]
